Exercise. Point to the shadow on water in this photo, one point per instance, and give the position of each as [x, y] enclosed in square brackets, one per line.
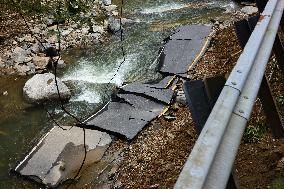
[89, 73]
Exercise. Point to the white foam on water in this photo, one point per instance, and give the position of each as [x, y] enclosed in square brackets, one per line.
[229, 7]
[163, 8]
[87, 72]
[90, 97]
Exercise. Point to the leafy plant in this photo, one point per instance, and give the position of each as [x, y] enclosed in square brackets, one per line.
[278, 182]
[280, 100]
[254, 132]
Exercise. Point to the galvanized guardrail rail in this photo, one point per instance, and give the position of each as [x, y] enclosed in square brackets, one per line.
[210, 162]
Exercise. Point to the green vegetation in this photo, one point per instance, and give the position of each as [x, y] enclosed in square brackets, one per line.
[254, 132]
[280, 100]
[278, 182]
[60, 10]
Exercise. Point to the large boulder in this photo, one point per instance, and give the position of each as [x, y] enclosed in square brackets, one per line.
[41, 87]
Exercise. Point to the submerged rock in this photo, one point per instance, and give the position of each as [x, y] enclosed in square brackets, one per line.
[41, 87]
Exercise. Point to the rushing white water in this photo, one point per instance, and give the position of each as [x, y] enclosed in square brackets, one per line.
[89, 73]
[163, 8]
[88, 96]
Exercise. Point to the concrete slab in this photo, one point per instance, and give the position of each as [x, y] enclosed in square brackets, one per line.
[178, 55]
[59, 154]
[124, 118]
[158, 94]
[192, 32]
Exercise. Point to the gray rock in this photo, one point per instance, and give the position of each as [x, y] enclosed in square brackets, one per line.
[35, 48]
[85, 30]
[61, 64]
[107, 2]
[29, 38]
[1, 63]
[22, 69]
[48, 21]
[110, 8]
[249, 10]
[180, 97]
[41, 87]
[113, 25]
[66, 32]
[19, 55]
[40, 62]
[98, 29]
[36, 30]
[43, 46]
[32, 68]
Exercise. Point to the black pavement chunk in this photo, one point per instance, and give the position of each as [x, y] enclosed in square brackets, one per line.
[168, 80]
[142, 103]
[192, 32]
[179, 55]
[122, 118]
[162, 95]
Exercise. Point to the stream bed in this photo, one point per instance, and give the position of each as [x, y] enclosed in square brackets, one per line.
[93, 74]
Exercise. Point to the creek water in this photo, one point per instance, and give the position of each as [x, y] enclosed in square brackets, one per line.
[92, 74]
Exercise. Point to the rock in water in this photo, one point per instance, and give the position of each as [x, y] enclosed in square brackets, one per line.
[107, 2]
[113, 25]
[41, 87]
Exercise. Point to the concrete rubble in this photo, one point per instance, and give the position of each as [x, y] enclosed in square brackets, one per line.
[59, 154]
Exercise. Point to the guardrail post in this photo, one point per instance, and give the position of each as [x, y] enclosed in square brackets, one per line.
[270, 109]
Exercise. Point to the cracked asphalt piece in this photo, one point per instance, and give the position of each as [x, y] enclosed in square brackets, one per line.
[183, 48]
[165, 82]
[127, 118]
[179, 54]
[189, 32]
[159, 94]
[59, 154]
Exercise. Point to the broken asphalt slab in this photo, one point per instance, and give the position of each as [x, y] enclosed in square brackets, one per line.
[191, 32]
[184, 49]
[59, 154]
[157, 94]
[128, 118]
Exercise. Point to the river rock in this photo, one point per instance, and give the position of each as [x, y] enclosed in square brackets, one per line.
[22, 69]
[110, 8]
[41, 87]
[107, 2]
[98, 29]
[40, 62]
[66, 32]
[19, 55]
[113, 25]
[29, 38]
[249, 10]
[61, 64]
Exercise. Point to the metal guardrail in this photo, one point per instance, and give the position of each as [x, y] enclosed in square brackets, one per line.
[210, 162]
